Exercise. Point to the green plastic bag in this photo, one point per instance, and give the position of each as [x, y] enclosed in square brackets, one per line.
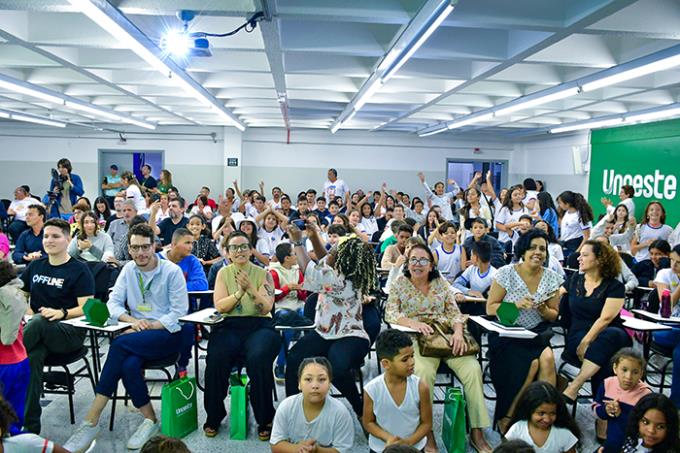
[179, 413]
[238, 412]
[453, 423]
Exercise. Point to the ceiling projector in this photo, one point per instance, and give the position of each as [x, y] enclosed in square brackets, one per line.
[183, 44]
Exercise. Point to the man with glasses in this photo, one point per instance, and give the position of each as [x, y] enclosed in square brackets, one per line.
[151, 295]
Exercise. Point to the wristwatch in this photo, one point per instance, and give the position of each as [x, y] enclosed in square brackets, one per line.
[298, 243]
[65, 312]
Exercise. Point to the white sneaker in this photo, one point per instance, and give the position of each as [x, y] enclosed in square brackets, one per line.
[145, 431]
[82, 438]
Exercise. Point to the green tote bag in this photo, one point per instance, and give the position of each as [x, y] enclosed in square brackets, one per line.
[179, 413]
[453, 423]
[238, 413]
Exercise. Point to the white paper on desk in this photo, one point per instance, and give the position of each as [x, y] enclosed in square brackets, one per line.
[642, 325]
[474, 299]
[492, 327]
[201, 317]
[403, 328]
[657, 317]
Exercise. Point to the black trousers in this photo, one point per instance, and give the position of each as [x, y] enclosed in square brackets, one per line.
[344, 354]
[237, 341]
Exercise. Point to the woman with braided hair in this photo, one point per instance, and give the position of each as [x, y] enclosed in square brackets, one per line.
[343, 278]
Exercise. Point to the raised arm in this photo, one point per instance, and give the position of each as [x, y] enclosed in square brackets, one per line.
[489, 184]
[155, 206]
[295, 235]
[475, 179]
[260, 217]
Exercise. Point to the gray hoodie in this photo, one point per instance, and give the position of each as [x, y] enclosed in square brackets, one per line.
[13, 306]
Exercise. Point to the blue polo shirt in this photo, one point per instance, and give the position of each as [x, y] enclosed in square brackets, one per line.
[27, 243]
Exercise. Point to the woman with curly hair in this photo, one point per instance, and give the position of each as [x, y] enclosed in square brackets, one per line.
[343, 279]
[595, 330]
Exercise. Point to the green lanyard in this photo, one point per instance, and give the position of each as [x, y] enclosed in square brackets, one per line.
[143, 290]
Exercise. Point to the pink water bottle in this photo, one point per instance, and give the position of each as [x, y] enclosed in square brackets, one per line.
[666, 303]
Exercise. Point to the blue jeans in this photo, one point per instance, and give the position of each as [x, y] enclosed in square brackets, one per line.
[671, 339]
[126, 358]
[13, 386]
[286, 335]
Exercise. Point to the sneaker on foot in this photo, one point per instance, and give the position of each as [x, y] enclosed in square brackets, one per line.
[82, 438]
[145, 431]
[279, 373]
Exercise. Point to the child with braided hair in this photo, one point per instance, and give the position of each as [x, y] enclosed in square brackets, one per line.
[342, 278]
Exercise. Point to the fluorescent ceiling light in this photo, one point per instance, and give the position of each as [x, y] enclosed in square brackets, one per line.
[131, 42]
[471, 120]
[4, 115]
[639, 71]
[589, 125]
[23, 89]
[36, 120]
[651, 116]
[60, 99]
[540, 100]
[410, 50]
[434, 131]
[375, 86]
[92, 110]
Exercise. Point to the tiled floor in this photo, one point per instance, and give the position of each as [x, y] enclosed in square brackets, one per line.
[56, 425]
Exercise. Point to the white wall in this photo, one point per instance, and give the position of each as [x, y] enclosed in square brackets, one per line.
[27, 153]
[363, 159]
[550, 159]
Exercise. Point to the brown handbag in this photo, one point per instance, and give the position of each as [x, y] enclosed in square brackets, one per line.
[438, 344]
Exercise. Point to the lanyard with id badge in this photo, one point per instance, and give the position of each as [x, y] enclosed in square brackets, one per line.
[145, 306]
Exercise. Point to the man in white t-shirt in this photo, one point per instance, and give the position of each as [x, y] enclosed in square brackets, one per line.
[334, 187]
[18, 209]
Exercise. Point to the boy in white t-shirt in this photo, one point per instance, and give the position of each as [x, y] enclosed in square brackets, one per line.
[397, 407]
[475, 282]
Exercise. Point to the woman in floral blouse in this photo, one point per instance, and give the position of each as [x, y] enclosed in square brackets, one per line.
[422, 294]
[343, 279]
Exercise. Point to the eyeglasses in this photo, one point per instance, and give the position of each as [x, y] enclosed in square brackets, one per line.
[239, 248]
[140, 248]
[419, 261]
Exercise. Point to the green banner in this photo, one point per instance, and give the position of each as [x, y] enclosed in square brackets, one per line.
[645, 156]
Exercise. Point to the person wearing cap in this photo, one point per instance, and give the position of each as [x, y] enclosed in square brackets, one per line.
[111, 184]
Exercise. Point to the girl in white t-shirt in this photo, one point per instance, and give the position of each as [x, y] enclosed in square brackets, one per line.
[270, 230]
[542, 420]
[554, 247]
[507, 219]
[133, 192]
[576, 221]
[652, 426]
[355, 222]
[653, 227]
[312, 419]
